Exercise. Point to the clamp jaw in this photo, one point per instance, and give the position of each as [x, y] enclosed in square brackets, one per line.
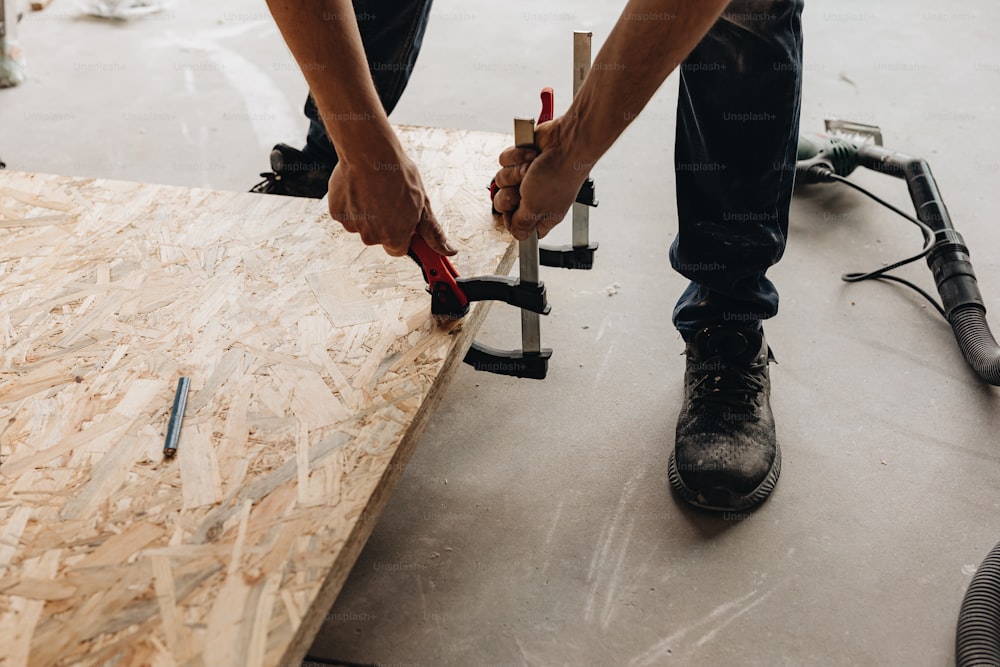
[451, 296]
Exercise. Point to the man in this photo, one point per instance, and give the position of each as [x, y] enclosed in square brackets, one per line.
[736, 134]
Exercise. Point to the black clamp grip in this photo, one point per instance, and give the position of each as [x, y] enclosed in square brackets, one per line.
[568, 256]
[572, 256]
[515, 363]
[451, 296]
[527, 296]
[587, 195]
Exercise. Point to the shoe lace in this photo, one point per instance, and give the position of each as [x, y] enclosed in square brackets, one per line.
[729, 386]
[270, 178]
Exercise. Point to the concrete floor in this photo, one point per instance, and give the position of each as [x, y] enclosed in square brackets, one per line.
[534, 525]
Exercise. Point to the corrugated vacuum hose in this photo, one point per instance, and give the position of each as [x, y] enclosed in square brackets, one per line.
[977, 642]
[977, 343]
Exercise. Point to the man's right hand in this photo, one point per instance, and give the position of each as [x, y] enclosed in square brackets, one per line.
[537, 188]
[384, 201]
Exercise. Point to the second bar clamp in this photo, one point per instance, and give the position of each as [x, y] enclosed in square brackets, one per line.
[451, 295]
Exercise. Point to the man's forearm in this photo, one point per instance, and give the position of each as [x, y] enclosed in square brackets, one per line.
[651, 38]
[323, 36]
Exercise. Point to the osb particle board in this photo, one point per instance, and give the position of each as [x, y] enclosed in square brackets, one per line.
[314, 363]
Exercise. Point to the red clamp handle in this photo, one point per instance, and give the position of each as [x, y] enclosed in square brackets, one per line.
[439, 274]
[548, 105]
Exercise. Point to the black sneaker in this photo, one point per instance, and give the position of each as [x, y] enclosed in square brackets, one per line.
[726, 455]
[294, 175]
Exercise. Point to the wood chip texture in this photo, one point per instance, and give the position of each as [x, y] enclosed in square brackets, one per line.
[314, 363]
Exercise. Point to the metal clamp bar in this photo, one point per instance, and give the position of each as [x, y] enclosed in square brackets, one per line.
[581, 68]
[531, 335]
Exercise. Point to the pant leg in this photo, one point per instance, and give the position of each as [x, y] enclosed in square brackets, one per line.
[392, 32]
[737, 130]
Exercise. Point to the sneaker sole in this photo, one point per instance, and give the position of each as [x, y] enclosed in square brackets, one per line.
[721, 499]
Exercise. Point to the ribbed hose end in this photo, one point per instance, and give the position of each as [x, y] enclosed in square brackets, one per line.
[977, 642]
[977, 343]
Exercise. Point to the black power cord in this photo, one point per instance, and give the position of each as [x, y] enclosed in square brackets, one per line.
[883, 273]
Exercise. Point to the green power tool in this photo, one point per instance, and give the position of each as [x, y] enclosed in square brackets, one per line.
[835, 152]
